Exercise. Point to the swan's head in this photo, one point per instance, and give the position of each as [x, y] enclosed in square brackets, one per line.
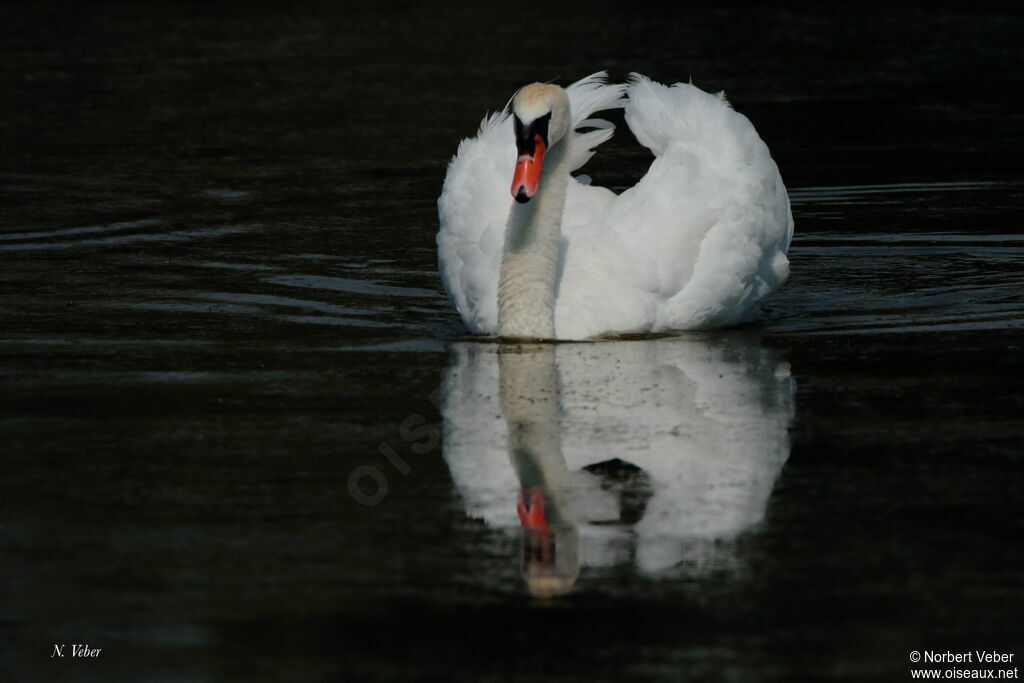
[540, 114]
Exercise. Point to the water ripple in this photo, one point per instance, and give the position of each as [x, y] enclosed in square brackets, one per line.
[173, 236]
[339, 284]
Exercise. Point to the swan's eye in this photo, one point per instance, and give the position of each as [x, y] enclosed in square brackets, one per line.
[526, 134]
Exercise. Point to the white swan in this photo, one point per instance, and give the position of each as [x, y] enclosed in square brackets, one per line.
[697, 243]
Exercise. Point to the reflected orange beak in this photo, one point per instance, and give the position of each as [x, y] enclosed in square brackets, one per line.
[527, 174]
[531, 510]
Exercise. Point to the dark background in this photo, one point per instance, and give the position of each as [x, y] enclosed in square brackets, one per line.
[218, 296]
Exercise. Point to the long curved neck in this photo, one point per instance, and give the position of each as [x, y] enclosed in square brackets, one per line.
[529, 264]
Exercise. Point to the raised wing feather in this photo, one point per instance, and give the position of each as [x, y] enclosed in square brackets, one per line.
[697, 242]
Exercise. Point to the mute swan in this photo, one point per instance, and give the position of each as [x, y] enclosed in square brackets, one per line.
[697, 243]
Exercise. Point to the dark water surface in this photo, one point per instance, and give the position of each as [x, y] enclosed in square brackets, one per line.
[219, 299]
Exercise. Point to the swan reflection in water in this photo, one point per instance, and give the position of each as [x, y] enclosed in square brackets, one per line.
[650, 453]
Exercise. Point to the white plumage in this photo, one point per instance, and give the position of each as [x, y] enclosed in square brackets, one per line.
[697, 243]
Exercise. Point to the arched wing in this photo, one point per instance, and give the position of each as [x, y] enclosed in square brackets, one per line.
[698, 241]
[473, 207]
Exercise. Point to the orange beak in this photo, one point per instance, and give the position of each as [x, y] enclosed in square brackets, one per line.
[527, 174]
[531, 510]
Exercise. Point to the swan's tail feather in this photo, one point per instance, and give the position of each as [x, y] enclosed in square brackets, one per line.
[586, 96]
